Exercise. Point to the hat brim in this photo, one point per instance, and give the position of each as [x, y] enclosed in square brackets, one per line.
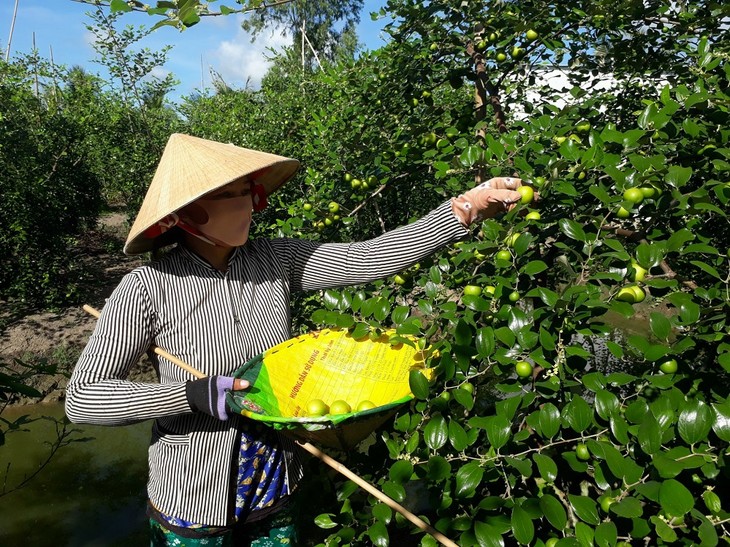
[191, 167]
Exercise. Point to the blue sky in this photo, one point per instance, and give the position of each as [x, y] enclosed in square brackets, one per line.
[216, 42]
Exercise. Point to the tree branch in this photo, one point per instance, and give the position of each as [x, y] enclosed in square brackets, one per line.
[141, 7]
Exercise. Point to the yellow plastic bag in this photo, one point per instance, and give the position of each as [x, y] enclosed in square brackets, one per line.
[328, 365]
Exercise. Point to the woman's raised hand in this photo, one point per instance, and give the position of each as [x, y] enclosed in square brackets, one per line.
[490, 198]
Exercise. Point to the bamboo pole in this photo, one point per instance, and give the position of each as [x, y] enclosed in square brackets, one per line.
[12, 28]
[159, 351]
[362, 483]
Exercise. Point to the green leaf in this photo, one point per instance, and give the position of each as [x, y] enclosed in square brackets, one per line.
[660, 326]
[549, 420]
[498, 431]
[636, 411]
[547, 340]
[438, 468]
[476, 303]
[383, 513]
[342, 320]
[550, 298]
[546, 466]
[721, 422]
[572, 229]
[436, 432]
[395, 491]
[606, 534]
[678, 176]
[468, 478]
[381, 309]
[695, 421]
[523, 466]
[649, 434]
[628, 507]
[522, 527]
[325, 521]
[119, 5]
[620, 466]
[578, 414]
[487, 535]
[508, 407]
[367, 308]
[676, 500]
[470, 155]
[606, 403]
[570, 150]
[678, 239]
[360, 330]
[724, 360]
[600, 194]
[619, 428]
[464, 398]
[554, 511]
[188, 16]
[400, 314]
[663, 530]
[457, 436]
[708, 534]
[534, 267]
[649, 255]
[401, 471]
[707, 269]
[418, 384]
[462, 333]
[666, 466]
[378, 534]
[595, 381]
[585, 508]
[485, 342]
[689, 312]
[583, 534]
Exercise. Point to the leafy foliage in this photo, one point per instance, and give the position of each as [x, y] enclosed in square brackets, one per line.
[598, 444]
[49, 195]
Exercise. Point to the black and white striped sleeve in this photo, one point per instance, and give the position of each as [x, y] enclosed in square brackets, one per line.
[323, 265]
[98, 391]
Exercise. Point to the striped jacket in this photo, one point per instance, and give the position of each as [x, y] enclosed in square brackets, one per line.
[217, 321]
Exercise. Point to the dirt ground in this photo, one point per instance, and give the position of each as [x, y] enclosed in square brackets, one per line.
[59, 336]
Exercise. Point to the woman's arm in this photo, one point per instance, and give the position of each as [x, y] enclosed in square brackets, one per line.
[98, 391]
[322, 265]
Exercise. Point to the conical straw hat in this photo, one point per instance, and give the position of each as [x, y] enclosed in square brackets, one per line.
[191, 167]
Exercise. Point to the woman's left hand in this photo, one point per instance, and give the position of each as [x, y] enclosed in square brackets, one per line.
[490, 198]
[208, 395]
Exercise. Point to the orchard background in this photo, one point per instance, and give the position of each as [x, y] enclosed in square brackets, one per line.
[551, 422]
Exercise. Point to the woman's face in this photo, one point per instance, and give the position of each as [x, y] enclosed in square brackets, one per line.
[224, 215]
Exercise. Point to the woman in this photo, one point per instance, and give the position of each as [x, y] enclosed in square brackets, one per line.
[216, 300]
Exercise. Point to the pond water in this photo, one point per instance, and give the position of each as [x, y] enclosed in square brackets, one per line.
[92, 493]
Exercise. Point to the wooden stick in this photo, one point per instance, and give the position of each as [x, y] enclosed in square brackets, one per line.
[334, 464]
[161, 352]
[337, 466]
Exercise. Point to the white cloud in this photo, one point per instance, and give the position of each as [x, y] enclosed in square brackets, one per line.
[159, 73]
[239, 60]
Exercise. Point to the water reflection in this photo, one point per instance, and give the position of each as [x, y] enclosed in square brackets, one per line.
[91, 494]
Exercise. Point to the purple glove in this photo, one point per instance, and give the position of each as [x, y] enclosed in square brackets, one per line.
[208, 395]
